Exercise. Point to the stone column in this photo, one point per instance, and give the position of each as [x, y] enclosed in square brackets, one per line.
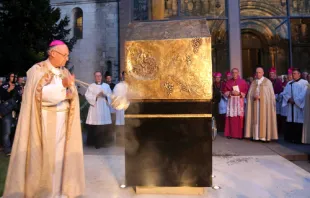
[235, 58]
[125, 16]
[158, 9]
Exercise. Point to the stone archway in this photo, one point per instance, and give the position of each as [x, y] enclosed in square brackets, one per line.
[269, 43]
[264, 40]
[254, 51]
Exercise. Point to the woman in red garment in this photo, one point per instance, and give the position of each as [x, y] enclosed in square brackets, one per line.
[236, 90]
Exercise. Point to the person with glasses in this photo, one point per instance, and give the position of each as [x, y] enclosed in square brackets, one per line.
[261, 117]
[235, 90]
[47, 154]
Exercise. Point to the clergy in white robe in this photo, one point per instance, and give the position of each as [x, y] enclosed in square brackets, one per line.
[294, 99]
[99, 114]
[120, 90]
[47, 155]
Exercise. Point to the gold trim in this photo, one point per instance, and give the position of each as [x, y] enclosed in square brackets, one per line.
[168, 116]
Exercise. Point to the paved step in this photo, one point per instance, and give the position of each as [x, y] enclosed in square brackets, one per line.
[232, 147]
[238, 176]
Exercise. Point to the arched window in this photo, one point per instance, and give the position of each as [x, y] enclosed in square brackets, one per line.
[77, 23]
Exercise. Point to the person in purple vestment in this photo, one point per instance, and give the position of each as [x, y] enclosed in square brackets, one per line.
[236, 90]
[278, 89]
[276, 82]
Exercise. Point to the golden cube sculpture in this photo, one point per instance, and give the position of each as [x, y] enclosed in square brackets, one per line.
[168, 147]
[169, 68]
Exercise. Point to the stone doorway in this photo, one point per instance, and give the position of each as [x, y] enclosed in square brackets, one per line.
[254, 52]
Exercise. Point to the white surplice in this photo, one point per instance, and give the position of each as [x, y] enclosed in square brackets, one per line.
[223, 105]
[297, 91]
[120, 90]
[99, 110]
[278, 103]
[283, 111]
[54, 94]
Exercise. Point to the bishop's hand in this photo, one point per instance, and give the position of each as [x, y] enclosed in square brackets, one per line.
[235, 93]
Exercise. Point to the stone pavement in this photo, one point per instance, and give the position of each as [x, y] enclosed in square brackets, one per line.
[242, 168]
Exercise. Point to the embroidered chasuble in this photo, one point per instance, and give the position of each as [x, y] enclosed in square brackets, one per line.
[47, 155]
[261, 118]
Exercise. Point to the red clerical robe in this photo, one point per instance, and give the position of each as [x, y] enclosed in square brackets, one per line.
[235, 108]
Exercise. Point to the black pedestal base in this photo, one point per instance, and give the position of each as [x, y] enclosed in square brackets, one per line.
[168, 152]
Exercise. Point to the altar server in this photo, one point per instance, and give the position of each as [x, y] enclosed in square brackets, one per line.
[99, 115]
[294, 100]
[120, 90]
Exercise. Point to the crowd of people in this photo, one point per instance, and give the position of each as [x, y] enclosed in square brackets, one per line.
[11, 90]
[101, 118]
[260, 107]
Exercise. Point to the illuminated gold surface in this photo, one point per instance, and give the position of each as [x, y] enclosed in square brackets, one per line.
[184, 190]
[169, 69]
[168, 115]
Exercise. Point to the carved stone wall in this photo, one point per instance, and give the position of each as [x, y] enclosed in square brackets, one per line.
[99, 44]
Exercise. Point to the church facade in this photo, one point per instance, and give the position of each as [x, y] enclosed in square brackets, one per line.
[245, 33]
[95, 25]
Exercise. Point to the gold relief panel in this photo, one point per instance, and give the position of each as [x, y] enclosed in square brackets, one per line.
[169, 69]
